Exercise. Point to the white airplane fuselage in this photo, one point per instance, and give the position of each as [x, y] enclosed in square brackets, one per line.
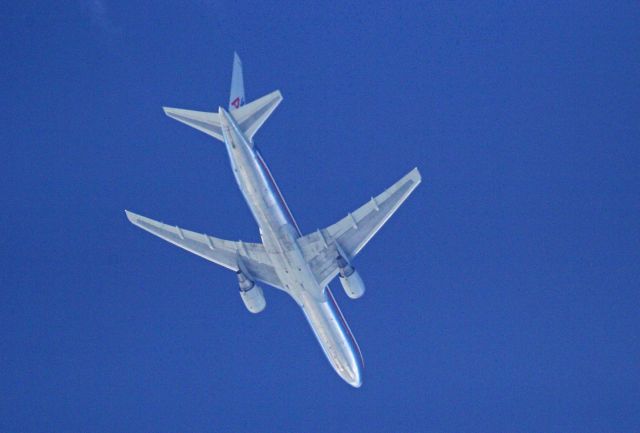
[279, 234]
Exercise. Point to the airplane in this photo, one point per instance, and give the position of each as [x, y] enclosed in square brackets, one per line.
[300, 265]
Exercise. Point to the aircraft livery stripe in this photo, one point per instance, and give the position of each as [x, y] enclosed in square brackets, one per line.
[275, 185]
[293, 220]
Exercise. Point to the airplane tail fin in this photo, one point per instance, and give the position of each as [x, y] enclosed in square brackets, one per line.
[249, 118]
[252, 116]
[236, 96]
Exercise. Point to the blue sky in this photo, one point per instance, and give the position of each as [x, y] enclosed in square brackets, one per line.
[503, 296]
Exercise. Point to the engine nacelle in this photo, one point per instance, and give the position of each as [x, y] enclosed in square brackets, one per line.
[251, 294]
[350, 279]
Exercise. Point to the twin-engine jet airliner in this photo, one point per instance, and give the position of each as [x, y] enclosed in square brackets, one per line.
[301, 265]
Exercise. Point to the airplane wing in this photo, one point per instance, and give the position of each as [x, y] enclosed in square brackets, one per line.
[222, 252]
[353, 232]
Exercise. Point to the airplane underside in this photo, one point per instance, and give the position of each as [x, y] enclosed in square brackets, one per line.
[301, 265]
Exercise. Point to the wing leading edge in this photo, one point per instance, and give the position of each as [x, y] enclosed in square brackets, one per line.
[222, 252]
[353, 232]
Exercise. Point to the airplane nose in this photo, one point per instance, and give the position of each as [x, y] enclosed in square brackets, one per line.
[354, 379]
[352, 374]
[357, 380]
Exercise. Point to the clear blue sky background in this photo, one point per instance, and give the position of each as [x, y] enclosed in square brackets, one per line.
[503, 296]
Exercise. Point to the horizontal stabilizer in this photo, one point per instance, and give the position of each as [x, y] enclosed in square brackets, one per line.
[249, 117]
[202, 121]
[252, 116]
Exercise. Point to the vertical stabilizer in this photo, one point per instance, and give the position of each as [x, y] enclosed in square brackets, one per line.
[236, 98]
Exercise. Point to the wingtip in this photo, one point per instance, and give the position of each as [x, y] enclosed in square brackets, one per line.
[130, 216]
[417, 174]
[414, 175]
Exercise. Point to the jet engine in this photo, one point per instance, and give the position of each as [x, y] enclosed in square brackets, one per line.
[350, 279]
[251, 294]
